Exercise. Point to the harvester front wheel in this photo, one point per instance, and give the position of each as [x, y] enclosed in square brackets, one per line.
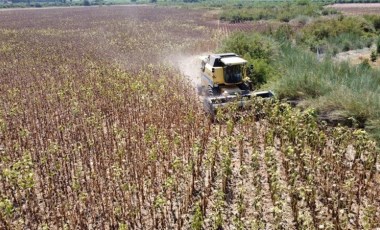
[213, 91]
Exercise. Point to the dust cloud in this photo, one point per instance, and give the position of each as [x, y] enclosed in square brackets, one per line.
[188, 65]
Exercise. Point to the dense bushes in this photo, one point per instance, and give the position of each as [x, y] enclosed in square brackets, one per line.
[337, 90]
[375, 20]
[283, 12]
[254, 45]
[259, 50]
[328, 28]
[340, 34]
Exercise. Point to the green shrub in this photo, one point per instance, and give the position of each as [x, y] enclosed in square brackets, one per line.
[258, 50]
[333, 27]
[303, 2]
[378, 45]
[346, 45]
[262, 71]
[329, 11]
[256, 46]
[375, 20]
[343, 34]
[236, 18]
[284, 32]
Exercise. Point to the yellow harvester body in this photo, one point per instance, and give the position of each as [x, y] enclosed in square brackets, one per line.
[223, 69]
[224, 79]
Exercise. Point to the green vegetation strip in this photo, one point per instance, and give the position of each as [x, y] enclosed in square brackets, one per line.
[340, 92]
[283, 11]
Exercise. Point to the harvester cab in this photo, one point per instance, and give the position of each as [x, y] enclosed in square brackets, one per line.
[224, 79]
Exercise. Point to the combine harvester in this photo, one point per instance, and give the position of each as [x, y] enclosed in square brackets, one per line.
[224, 80]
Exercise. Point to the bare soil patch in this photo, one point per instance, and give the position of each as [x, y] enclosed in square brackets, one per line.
[358, 56]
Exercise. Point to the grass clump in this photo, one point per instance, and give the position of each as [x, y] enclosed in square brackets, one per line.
[337, 90]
